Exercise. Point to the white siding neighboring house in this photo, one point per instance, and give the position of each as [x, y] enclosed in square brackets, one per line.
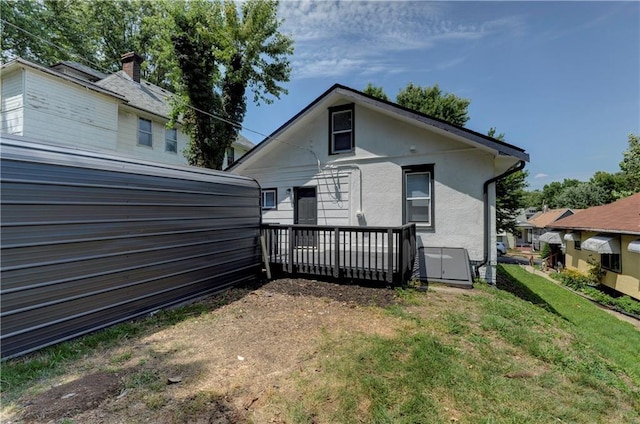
[74, 105]
[369, 162]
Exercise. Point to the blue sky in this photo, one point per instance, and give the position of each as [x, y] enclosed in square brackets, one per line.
[560, 79]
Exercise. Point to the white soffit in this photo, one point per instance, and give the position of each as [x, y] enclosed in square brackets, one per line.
[602, 244]
[551, 237]
[634, 246]
[572, 237]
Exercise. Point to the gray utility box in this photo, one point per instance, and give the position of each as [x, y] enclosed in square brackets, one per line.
[449, 265]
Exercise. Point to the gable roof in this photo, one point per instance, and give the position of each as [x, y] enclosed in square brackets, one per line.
[543, 219]
[341, 91]
[622, 216]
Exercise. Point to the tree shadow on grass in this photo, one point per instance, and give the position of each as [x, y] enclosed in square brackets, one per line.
[506, 282]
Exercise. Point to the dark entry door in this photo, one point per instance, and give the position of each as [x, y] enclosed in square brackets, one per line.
[305, 213]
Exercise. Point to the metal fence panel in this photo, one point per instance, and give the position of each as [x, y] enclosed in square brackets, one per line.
[90, 240]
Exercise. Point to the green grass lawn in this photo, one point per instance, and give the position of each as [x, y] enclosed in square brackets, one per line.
[541, 355]
[527, 352]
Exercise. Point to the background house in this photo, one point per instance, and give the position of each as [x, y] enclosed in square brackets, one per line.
[352, 159]
[540, 221]
[609, 235]
[74, 105]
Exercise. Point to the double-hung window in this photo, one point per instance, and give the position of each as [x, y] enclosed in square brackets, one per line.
[230, 156]
[341, 129]
[418, 195]
[144, 132]
[611, 261]
[269, 198]
[171, 140]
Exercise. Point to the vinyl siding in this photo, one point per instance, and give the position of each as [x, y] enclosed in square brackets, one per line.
[12, 103]
[68, 114]
[127, 144]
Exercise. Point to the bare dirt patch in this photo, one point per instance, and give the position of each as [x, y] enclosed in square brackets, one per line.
[229, 365]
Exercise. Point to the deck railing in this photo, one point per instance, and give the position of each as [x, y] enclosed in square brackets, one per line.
[359, 253]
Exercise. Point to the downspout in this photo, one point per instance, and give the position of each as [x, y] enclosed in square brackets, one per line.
[485, 195]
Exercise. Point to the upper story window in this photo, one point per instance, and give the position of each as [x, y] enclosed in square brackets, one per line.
[144, 132]
[230, 156]
[269, 197]
[171, 140]
[418, 195]
[341, 129]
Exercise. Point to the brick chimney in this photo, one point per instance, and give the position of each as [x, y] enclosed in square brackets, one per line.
[131, 65]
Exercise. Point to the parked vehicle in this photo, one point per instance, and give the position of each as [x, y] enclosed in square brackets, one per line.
[502, 249]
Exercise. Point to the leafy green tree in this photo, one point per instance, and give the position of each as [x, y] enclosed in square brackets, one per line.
[375, 91]
[581, 196]
[611, 184]
[509, 195]
[94, 33]
[630, 165]
[533, 199]
[222, 50]
[208, 52]
[432, 101]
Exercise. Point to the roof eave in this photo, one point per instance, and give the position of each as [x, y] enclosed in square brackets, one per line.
[500, 147]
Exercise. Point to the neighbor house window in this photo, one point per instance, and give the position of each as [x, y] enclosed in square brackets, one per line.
[269, 198]
[610, 262]
[230, 156]
[171, 140]
[418, 195]
[144, 132]
[576, 245]
[341, 131]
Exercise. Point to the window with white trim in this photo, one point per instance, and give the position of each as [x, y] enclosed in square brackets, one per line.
[230, 156]
[144, 132]
[269, 198]
[171, 140]
[341, 129]
[418, 195]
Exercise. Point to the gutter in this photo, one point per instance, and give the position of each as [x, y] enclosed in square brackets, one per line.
[485, 196]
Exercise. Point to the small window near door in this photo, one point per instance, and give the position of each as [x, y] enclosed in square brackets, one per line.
[418, 195]
[171, 140]
[144, 132]
[269, 198]
[341, 130]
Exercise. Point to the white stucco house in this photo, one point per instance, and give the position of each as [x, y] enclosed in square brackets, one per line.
[74, 105]
[349, 159]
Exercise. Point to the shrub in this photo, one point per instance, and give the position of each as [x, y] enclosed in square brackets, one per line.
[545, 251]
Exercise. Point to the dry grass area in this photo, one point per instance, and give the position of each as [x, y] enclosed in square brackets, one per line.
[229, 365]
[300, 351]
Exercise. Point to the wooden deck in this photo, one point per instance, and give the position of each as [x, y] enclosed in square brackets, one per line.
[359, 253]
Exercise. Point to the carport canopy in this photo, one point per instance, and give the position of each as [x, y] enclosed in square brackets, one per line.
[551, 237]
[602, 244]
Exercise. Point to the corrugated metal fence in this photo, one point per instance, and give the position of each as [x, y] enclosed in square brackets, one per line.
[89, 240]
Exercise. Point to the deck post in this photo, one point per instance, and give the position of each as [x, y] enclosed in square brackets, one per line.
[336, 253]
[290, 253]
[389, 255]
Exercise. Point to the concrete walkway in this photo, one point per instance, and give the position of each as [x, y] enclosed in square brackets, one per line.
[623, 317]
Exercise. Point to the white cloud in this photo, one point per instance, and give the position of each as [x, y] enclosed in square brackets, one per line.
[337, 38]
[541, 175]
